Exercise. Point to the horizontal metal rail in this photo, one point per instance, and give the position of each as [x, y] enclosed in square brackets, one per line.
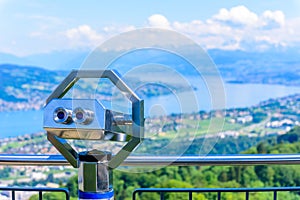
[35, 189]
[225, 160]
[218, 191]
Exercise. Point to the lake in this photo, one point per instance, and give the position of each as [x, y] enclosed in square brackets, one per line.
[237, 95]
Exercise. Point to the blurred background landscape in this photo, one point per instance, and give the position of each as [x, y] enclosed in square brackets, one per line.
[255, 48]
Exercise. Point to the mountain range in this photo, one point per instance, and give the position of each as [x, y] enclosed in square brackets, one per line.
[271, 60]
[20, 77]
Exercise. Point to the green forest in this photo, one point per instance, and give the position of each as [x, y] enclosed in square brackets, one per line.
[212, 176]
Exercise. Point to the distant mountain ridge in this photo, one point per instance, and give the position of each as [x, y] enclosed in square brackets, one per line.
[283, 60]
[271, 67]
[19, 78]
[57, 60]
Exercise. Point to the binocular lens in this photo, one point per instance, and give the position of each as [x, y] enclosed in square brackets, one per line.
[79, 115]
[62, 115]
[82, 116]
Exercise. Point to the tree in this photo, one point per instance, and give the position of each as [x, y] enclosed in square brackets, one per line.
[265, 174]
[261, 148]
[223, 177]
[172, 183]
[50, 178]
[258, 117]
[72, 186]
[49, 196]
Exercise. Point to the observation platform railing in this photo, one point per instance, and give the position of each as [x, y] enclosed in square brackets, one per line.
[211, 160]
[218, 191]
[40, 191]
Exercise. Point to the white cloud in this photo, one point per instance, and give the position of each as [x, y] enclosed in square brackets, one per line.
[158, 21]
[273, 18]
[239, 15]
[83, 35]
[117, 29]
[239, 28]
[44, 25]
[230, 29]
[82, 31]
[86, 36]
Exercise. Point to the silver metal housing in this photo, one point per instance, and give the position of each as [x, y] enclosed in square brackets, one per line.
[98, 124]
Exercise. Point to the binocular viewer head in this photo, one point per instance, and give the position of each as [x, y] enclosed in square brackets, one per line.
[78, 115]
[86, 119]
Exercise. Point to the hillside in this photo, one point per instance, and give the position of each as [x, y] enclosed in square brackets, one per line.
[26, 87]
[217, 176]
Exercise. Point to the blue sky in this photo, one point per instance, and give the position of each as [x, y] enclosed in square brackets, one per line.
[32, 27]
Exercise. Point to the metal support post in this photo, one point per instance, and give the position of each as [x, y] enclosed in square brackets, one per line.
[95, 176]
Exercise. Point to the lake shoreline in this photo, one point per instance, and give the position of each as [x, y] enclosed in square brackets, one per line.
[16, 123]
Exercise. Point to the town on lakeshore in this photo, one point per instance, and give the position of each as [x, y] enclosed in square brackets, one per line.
[270, 117]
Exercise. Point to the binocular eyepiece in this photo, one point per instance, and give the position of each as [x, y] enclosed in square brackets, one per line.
[82, 116]
[78, 115]
[62, 115]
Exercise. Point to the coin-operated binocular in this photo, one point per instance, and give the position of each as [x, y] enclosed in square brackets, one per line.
[88, 119]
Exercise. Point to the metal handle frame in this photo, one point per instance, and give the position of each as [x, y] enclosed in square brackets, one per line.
[137, 114]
